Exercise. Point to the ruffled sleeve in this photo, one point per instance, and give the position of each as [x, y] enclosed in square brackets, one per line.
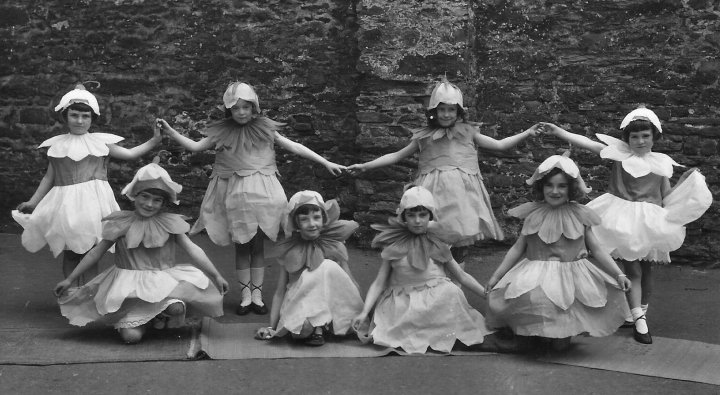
[152, 232]
[459, 130]
[295, 253]
[397, 242]
[229, 134]
[550, 222]
[636, 165]
[78, 146]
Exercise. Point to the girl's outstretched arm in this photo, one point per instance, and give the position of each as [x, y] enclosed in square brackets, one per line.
[386, 160]
[123, 153]
[278, 296]
[301, 150]
[201, 260]
[376, 288]
[513, 256]
[185, 142]
[572, 138]
[487, 142]
[47, 182]
[89, 260]
[464, 278]
[605, 260]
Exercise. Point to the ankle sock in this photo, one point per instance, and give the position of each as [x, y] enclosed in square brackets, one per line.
[644, 308]
[258, 276]
[244, 280]
[640, 324]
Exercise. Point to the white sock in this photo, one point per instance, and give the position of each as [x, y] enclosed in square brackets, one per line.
[258, 277]
[644, 308]
[244, 280]
[640, 324]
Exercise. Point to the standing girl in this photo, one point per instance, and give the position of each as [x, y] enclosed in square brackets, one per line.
[244, 201]
[145, 280]
[316, 291]
[66, 210]
[448, 167]
[643, 218]
[414, 304]
[545, 285]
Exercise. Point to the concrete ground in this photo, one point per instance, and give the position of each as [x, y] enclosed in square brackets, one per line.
[685, 306]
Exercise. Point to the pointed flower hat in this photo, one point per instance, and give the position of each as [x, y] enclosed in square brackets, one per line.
[152, 176]
[78, 95]
[240, 90]
[415, 197]
[644, 114]
[331, 209]
[564, 163]
[445, 92]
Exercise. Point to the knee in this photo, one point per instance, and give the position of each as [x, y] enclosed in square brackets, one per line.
[132, 335]
[176, 308]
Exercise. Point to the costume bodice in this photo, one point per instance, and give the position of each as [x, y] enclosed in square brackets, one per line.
[244, 162]
[143, 258]
[563, 250]
[454, 150]
[69, 172]
[647, 188]
[404, 274]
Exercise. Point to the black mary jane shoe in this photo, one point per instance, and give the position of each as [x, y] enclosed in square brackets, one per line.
[627, 324]
[243, 310]
[257, 309]
[643, 338]
[315, 340]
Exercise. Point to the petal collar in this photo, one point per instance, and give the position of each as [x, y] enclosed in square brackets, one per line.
[458, 131]
[397, 242]
[550, 222]
[636, 165]
[152, 232]
[230, 134]
[78, 146]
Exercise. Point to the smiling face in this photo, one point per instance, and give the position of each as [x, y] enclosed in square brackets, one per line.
[556, 190]
[310, 224]
[447, 114]
[417, 220]
[148, 204]
[242, 111]
[79, 121]
[641, 142]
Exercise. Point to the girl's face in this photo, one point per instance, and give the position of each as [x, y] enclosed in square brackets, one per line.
[242, 111]
[417, 221]
[641, 142]
[79, 121]
[148, 204]
[447, 114]
[310, 224]
[556, 189]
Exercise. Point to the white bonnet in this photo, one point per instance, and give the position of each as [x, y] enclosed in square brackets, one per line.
[152, 176]
[240, 90]
[78, 95]
[564, 163]
[644, 114]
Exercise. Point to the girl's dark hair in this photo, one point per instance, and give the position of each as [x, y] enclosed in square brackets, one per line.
[639, 125]
[157, 192]
[306, 209]
[432, 117]
[414, 210]
[537, 193]
[78, 107]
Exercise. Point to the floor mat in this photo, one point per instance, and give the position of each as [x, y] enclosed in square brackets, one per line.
[669, 358]
[236, 341]
[55, 346]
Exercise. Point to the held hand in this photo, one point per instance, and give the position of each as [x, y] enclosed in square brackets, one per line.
[549, 128]
[61, 288]
[359, 322]
[25, 207]
[164, 126]
[490, 284]
[535, 130]
[157, 129]
[335, 169]
[356, 169]
[265, 333]
[221, 284]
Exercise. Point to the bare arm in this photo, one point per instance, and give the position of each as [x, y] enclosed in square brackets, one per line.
[307, 153]
[574, 139]
[43, 188]
[122, 153]
[184, 141]
[487, 142]
[201, 260]
[266, 333]
[513, 256]
[464, 278]
[376, 288]
[605, 260]
[387, 159]
[89, 260]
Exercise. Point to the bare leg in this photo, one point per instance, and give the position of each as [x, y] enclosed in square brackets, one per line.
[243, 257]
[634, 272]
[257, 274]
[647, 284]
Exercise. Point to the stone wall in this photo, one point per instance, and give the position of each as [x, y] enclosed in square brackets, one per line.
[351, 78]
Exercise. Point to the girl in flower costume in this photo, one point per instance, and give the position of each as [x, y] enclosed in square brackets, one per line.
[244, 201]
[316, 290]
[66, 210]
[412, 302]
[643, 217]
[448, 167]
[545, 285]
[145, 282]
